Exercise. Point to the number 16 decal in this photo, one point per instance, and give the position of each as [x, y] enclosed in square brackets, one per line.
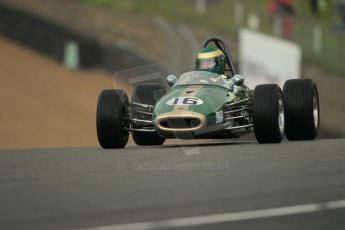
[185, 101]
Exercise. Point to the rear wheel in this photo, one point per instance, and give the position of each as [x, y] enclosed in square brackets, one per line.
[268, 113]
[111, 109]
[148, 94]
[302, 112]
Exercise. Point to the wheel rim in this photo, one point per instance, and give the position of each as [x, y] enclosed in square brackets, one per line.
[315, 110]
[281, 118]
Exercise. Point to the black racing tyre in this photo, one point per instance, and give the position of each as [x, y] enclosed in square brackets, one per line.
[302, 113]
[111, 109]
[268, 113]
[149, 94]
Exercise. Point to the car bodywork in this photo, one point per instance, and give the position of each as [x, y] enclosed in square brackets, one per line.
[198, 107]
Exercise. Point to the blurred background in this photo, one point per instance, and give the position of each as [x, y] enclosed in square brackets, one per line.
[57, 55]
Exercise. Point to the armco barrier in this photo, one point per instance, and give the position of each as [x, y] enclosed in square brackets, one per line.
[50, 38]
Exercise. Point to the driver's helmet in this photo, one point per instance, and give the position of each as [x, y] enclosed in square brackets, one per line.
[210, 59]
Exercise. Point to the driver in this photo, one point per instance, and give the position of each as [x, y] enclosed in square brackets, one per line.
[211, 59]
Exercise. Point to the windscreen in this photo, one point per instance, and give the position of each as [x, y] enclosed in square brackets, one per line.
[201, 78]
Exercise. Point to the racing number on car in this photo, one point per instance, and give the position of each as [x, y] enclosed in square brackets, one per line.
[185, 101]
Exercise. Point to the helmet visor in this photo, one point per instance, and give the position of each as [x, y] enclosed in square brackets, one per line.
[205, 63]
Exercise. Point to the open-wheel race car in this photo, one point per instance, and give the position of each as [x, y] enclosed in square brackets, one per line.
[210, 102]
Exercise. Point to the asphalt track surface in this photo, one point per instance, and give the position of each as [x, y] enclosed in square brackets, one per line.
[230, 185]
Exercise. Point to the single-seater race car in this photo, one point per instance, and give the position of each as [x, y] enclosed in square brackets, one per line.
[212, 102]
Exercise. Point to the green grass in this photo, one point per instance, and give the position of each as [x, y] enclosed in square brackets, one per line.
[220, 19]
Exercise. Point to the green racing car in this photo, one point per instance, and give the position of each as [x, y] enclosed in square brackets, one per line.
[209, 102]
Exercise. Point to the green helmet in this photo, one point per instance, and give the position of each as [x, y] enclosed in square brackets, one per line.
[210, 59]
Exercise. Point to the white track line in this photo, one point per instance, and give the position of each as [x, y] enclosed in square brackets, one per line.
[226, 217]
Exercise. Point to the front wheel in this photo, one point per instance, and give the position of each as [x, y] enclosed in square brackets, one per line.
[268, 113]
[111, 110]
[302, 112]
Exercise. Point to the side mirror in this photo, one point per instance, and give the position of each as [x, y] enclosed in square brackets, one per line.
[171, 79]
[238, 80]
